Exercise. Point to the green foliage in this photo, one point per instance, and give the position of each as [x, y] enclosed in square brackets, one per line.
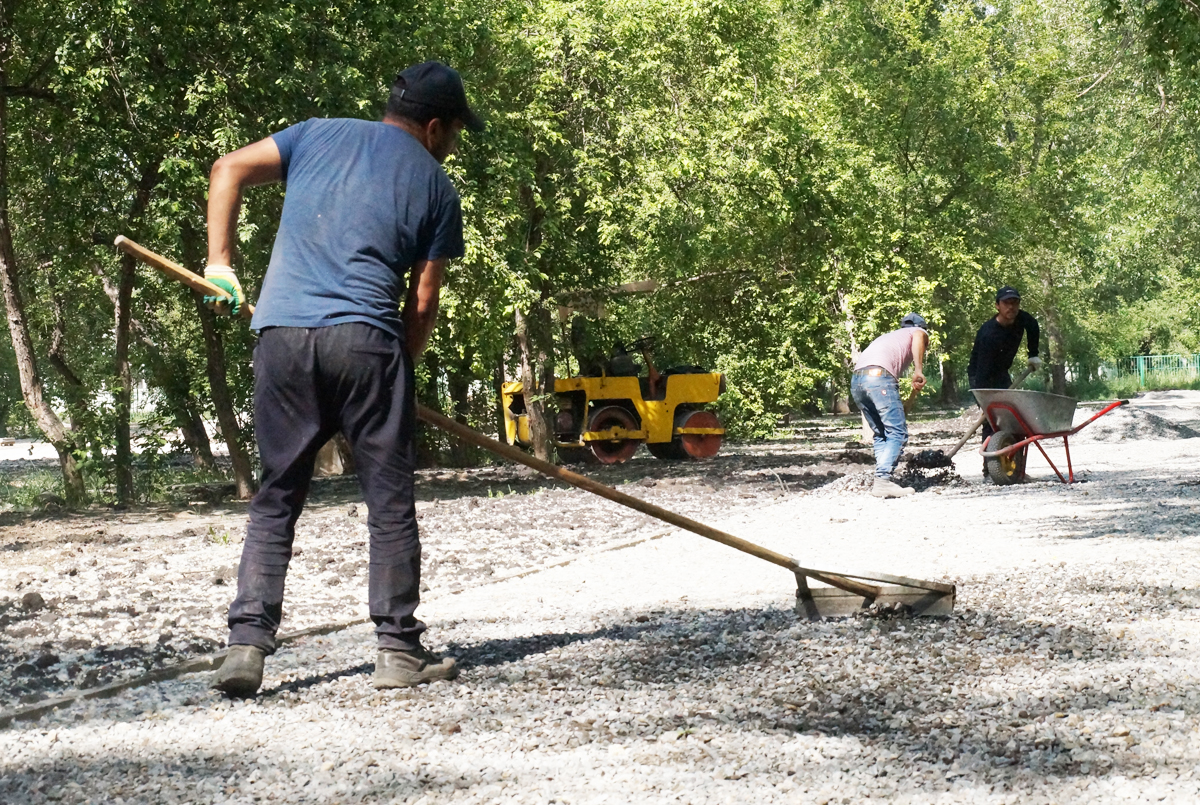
[23, 491]
[794, 177]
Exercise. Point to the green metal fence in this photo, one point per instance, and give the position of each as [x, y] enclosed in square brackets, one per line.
[1183, 367]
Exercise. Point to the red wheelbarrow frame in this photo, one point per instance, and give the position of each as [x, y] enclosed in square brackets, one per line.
[1035, 438]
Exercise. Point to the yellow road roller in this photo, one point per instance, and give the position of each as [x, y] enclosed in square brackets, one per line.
[605, 416]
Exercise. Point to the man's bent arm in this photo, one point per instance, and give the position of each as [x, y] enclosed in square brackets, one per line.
[920, 340]
[255, 164]
[421, 305]
[1032, 333]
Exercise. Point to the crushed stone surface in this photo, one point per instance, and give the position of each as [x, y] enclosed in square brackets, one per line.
[671, 670]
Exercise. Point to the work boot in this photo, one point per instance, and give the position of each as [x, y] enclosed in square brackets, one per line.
[407, 669]
[887, 488]
[242, 672]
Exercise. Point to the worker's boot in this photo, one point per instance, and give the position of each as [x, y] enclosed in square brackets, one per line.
[242, 672]
[887, 488]
[407, 669]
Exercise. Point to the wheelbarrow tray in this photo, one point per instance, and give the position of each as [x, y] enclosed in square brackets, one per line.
[1030, 417]
[1039, 413]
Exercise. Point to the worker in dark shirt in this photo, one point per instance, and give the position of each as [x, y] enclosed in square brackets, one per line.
[370, 221]
[997, 342]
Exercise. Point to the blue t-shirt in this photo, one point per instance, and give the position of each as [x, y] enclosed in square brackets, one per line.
[364, 201]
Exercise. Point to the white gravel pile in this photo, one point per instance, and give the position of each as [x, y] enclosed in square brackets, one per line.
[675, 670]
[1152, 416]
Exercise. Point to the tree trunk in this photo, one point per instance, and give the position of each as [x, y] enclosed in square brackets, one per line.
[191, 428]
[949, 393]
[532, 357]
[123, 392]
[214, 350]
[840, 401]
[498, 390]
[531, 338]
[458, 382]
[123, 453]
[76, 391]
[1057, 350]
[32, 389]
[429, 451]
[172, 379]
[218, 383]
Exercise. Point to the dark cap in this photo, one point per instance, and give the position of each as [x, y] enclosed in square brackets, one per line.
[439, 87]
[1007, 292]
[914, 320]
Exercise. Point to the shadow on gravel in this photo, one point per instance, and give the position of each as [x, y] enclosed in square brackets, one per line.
[491, 653]
[976, 697]
[297, 685]
[201, 777]
[793, 470]
[939, 691]
[478, 655]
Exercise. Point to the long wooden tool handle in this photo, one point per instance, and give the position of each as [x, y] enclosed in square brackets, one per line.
[983, 415]
[176, 272]
[470, 436]
[197, 283]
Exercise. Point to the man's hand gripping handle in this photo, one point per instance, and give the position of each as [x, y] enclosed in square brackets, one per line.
[180, 274]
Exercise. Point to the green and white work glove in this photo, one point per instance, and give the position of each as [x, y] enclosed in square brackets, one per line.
[1035, 363]
[223, 277]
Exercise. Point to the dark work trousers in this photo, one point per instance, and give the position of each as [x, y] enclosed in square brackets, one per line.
[310, 383]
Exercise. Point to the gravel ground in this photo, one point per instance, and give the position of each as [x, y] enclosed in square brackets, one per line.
[671, 670]
[94, 598]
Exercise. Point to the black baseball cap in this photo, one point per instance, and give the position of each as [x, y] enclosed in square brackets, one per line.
[1007, 292]
[914, 320]
[439, 87]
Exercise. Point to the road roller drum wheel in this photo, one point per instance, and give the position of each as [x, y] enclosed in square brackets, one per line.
[613, 451]
[1004, 470]
[690, 446]
[699, 445]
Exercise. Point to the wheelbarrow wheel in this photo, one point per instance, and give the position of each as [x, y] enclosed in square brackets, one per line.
[1004, 470]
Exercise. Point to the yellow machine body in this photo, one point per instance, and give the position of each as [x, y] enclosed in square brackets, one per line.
[657, 417]
[516, 422]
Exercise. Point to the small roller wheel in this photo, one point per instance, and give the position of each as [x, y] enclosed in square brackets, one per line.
[613, 451]
[1004, 470]
[700, 445]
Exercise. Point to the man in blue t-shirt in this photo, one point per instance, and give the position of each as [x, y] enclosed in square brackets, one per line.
[369, 219]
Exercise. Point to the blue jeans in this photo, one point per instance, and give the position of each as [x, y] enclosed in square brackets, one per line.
[879, 400]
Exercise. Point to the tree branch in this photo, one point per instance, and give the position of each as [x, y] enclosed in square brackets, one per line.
[26, 91]
[1096, 83]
